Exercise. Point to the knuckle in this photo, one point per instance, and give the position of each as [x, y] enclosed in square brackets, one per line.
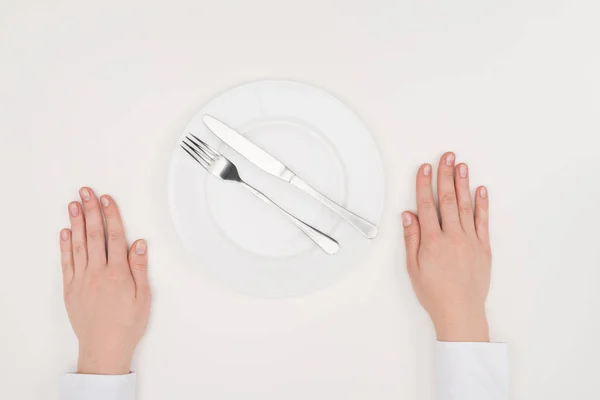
[95, 232]
[139, 266]
[466, 208]
[448, 198]
[91, 207]
[428, 204]
[79, 247]
[411, 237]
[448, 173]
[115, 235]
[109, 212]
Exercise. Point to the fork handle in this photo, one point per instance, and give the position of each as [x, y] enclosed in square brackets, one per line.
[365, 227]
[325, 242]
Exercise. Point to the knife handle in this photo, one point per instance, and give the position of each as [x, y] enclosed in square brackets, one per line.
[325, 242]
[365, 227]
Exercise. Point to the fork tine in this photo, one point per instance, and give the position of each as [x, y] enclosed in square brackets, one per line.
[200, 145]
[202, 154]
[198, 149]
[195, 155]
[206, 146]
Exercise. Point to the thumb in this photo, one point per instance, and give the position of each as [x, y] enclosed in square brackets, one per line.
[138, 263]
[412, 240]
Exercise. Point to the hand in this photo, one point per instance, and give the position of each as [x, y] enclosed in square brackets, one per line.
[106, 288]
[449, 264]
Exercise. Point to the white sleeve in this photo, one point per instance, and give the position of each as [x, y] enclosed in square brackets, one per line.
[471, 371]
[97, 387]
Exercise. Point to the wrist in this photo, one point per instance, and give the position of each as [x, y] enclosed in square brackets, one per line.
[469, 327]
[90, 362]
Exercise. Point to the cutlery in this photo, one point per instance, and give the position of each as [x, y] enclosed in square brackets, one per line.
[219, 166]
[269, 164]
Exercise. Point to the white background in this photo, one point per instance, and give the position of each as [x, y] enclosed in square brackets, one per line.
[98, 93]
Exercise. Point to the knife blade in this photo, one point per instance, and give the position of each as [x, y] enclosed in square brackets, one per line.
[247, 149]
[271, 165]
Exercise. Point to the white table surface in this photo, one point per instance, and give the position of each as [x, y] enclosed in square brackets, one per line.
[98, 94]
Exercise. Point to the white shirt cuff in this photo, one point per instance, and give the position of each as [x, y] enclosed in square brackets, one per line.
[98, 387]
[471, 371]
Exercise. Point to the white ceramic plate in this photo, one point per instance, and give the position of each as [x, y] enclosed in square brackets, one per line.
[245, 243]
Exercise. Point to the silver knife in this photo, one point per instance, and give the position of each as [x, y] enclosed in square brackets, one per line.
[271, 165]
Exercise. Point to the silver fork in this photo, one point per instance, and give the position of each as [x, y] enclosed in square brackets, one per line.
[219, 166]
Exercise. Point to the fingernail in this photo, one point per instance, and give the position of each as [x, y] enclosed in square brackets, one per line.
[462, 170]
[406, 219]
[427, 170]
[74, 209]
[483, 192]
[104, 201]
[64, 234]
[140, 247]
[450, 159]
[85, 194]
